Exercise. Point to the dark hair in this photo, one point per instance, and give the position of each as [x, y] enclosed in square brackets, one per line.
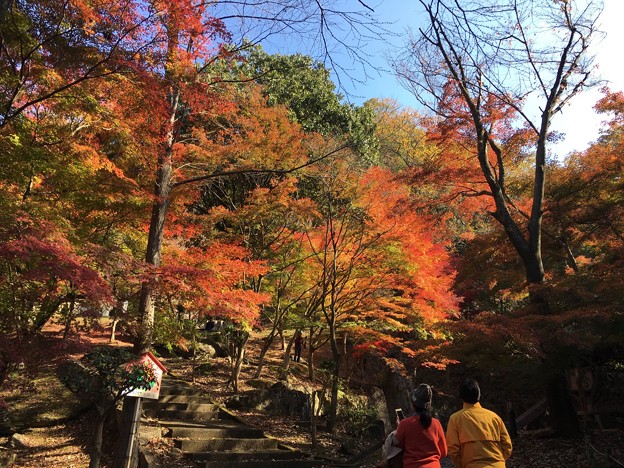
[469, 391]
[425, 416]
[421, 400]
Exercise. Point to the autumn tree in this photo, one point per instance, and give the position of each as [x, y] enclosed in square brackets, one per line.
[51, 47]
[69, 215]
[585, 207]
[42, 274]
[483, 54]
[365, 249]
[585, 198]
[51, 50]
[189, 43]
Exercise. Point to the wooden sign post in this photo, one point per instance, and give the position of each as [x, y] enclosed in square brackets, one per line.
[132, 412]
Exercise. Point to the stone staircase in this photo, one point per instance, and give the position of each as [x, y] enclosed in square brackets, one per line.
[209, 435]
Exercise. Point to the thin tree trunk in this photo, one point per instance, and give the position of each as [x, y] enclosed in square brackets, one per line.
[311, 375]
[240, 346]
[345, 355]
[194, 360]
[286, 361]
[313, 419]
[333, 403]
[237, 369]
[113, 329]
[96, 445]
[70, 317]
[48, 308]
[268, 341]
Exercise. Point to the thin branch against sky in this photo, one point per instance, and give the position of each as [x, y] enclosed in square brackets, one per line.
[338, 33]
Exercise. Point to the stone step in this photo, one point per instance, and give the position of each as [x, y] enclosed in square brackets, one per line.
[179, 389]
[188, 415]
[171, 398]
[266, 464]
[234, 431]
[226, 445]
[170, 424]
[240, 456]
[212, 437]
[208, 407]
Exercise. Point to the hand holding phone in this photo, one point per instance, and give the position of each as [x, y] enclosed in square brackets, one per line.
[399, 413]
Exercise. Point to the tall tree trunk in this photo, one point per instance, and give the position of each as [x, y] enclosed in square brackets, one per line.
[529, 249]
[162, 191]
[535, 267]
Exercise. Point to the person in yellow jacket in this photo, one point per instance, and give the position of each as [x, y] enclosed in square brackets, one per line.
[476, 437]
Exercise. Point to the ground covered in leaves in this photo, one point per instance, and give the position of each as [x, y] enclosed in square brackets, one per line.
[54, 431]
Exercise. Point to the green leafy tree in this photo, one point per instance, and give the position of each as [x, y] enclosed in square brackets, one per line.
[304, 85]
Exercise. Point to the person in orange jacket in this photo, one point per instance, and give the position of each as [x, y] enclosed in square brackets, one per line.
[421, 436]
[476, 437]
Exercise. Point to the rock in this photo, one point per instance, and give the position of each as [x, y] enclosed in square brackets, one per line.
[205, 351]
[18, 440]
[377, 400]
[209, 340]
[287, 401]
[73, 375]
[376, 430]
[349, 447]
[396, 389]
[279, 399]
[242, 401]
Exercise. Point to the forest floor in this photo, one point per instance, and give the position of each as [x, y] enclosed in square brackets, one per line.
[55, 432]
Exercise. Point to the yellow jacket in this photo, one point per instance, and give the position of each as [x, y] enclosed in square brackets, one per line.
[477, 438]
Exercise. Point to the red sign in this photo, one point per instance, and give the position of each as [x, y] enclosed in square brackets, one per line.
[154, 391]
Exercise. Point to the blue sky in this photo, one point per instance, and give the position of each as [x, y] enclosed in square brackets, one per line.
[578, 121]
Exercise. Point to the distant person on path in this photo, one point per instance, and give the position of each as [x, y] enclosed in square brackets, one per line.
[421, 436]
[298, 346]
[477, 437]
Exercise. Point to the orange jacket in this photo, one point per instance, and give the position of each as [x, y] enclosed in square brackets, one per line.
[477, 438]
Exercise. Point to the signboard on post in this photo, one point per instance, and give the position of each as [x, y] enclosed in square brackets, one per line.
[159, 369]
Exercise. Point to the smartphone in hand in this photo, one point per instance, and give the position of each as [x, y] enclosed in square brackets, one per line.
[399, 413]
